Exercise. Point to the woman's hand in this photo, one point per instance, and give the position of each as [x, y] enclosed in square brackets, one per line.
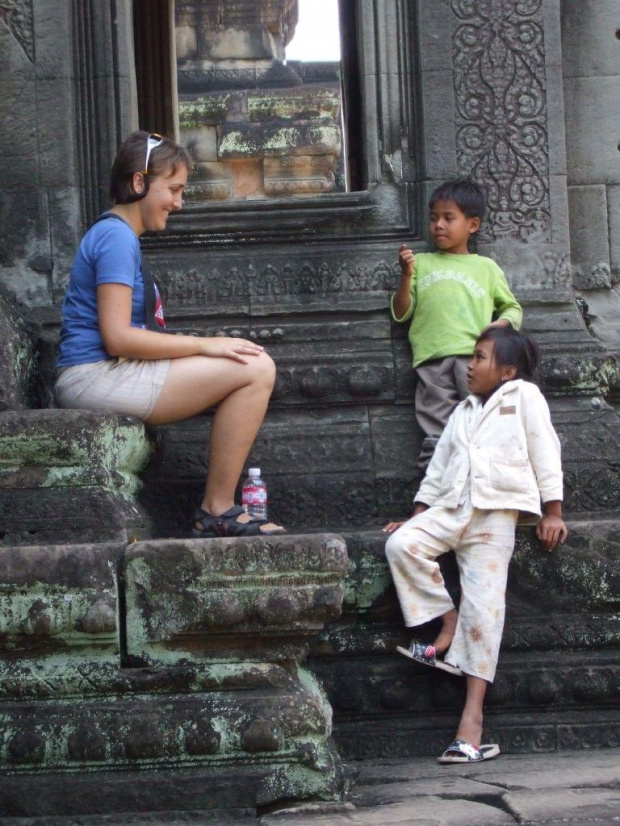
[237, 349]
[122, 340]
[551, 531]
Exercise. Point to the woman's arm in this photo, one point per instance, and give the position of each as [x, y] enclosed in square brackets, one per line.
[122, 340]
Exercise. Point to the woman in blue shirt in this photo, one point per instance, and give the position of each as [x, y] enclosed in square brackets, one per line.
[112, 357]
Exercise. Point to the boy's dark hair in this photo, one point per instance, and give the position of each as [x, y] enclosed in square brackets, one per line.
[512, 349]
[467, 195]
[131, 158]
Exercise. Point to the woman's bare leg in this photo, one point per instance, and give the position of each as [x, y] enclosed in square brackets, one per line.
[470, 727]
[242, 392]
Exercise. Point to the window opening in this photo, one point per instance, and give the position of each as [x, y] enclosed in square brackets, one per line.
[261, 101]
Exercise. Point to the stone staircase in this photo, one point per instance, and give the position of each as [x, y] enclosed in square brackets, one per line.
[142, 674]
[558, 675]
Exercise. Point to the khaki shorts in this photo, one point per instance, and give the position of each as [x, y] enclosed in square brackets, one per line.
[127, 386]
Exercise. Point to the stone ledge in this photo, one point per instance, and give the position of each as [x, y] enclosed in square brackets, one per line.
[65, 448]
[221, 599]
[242, 141]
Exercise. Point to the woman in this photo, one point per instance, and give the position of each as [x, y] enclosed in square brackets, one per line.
[112, 356]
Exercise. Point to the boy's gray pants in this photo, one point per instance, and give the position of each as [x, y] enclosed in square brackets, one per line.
[442, 384]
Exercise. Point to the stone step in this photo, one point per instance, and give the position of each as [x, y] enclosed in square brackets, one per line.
[559, 652]
[204, 817]
[165, 674]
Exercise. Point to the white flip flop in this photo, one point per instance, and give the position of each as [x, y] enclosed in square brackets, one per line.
[460, 751]
[426, 655]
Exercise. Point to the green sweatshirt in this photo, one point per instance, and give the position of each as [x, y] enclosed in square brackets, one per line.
[453, 298]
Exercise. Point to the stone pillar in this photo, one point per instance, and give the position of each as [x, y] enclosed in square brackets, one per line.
[591, 62]
[501, 71]
[67, 99]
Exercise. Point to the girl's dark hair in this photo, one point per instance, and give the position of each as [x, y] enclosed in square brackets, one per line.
[131, 157]
[512, 349]
[467, 195]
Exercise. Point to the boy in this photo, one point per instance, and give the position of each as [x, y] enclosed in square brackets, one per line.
[451, 296]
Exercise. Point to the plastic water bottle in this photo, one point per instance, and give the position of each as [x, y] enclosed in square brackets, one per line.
[254, 494]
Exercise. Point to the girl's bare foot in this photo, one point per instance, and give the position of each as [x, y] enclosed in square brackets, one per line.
[446, 635]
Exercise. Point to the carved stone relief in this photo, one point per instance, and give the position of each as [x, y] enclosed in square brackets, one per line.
[275, 281]
[501, 113]
[17, 17]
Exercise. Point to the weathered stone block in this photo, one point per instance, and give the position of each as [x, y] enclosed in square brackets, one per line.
[216, 600]
[248, 748]
[308, 103]
[244, 141]
[440, 139]
[202, 76]
[84, 469]
[24, 245]
[17, 47]
[18, 128]
[588, 32]
[436, 52]
[209, 110]
[613, 205]
[557, 652]
[241, 42]
[57, 163]
[84, 513]
[299, 175]
[67, 448]
[18, 358]
[594, 99]
[589, 240]
[211, 181]
[201, 143]
[58, 613]
[186, 41]
[248, 179]
[65, 235]
[583, 575]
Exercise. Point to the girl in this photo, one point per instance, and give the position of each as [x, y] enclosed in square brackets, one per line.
[113, 357]
[498, 455]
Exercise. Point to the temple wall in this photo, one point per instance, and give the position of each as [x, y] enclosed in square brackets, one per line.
[66, 97]
[195, 648]
[591, 66]
[471, 89]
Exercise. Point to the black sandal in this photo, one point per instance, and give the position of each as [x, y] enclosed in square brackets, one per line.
[226, 524]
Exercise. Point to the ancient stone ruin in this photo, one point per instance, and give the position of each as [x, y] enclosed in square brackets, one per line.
[256, 125]
[142, 671]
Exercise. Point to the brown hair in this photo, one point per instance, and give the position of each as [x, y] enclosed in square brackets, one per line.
[131, 157]
[467, 195]
[512, 349]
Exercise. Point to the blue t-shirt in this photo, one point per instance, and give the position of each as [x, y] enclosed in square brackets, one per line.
[108, 254]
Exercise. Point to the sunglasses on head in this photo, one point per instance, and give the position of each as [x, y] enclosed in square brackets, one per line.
[153, 141]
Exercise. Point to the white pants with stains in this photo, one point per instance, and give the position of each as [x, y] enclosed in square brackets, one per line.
[483, 542]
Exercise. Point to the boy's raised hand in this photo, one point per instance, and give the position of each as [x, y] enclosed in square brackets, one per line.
[406, 259]
[551, 531]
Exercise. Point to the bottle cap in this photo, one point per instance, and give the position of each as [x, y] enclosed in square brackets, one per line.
[254, 471]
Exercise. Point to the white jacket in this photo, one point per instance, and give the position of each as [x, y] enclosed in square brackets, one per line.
[508, 448]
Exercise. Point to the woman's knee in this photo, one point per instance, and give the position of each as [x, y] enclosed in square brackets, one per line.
[265, 369]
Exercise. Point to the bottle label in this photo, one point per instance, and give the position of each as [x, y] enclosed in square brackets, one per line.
[254, 495]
